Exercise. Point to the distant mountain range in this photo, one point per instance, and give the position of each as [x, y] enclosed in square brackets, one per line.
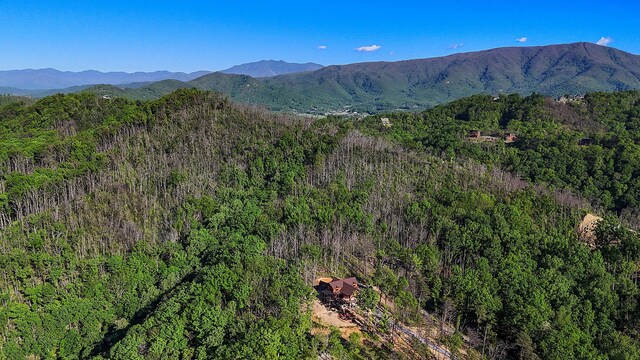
[553, 70]
[37, 82]
[43, 79]
[269, 68]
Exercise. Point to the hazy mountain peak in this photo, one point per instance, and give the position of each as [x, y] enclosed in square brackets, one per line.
[269, 68]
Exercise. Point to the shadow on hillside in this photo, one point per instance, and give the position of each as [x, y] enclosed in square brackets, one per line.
[114, 335]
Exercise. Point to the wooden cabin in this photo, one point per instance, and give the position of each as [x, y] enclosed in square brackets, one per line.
[476, 136]
[339, 290]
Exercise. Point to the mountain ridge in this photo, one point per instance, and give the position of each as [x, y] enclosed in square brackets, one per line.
[417, 84]
[554, 70]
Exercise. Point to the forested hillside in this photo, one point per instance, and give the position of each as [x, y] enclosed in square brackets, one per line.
[192, 228]
[589, 145]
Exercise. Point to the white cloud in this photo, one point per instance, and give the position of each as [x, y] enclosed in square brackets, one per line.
[455, 46]
[368, 48]
[522, 40]
[605, 41]
[322, 47]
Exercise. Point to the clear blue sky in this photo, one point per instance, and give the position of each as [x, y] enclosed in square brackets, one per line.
[194, 35]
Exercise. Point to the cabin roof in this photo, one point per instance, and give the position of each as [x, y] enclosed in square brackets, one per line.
[346, 287]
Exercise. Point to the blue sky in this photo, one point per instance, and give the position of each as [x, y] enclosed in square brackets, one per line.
[193, 35]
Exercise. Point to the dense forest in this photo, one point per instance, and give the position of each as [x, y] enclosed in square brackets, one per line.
[192, 228]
